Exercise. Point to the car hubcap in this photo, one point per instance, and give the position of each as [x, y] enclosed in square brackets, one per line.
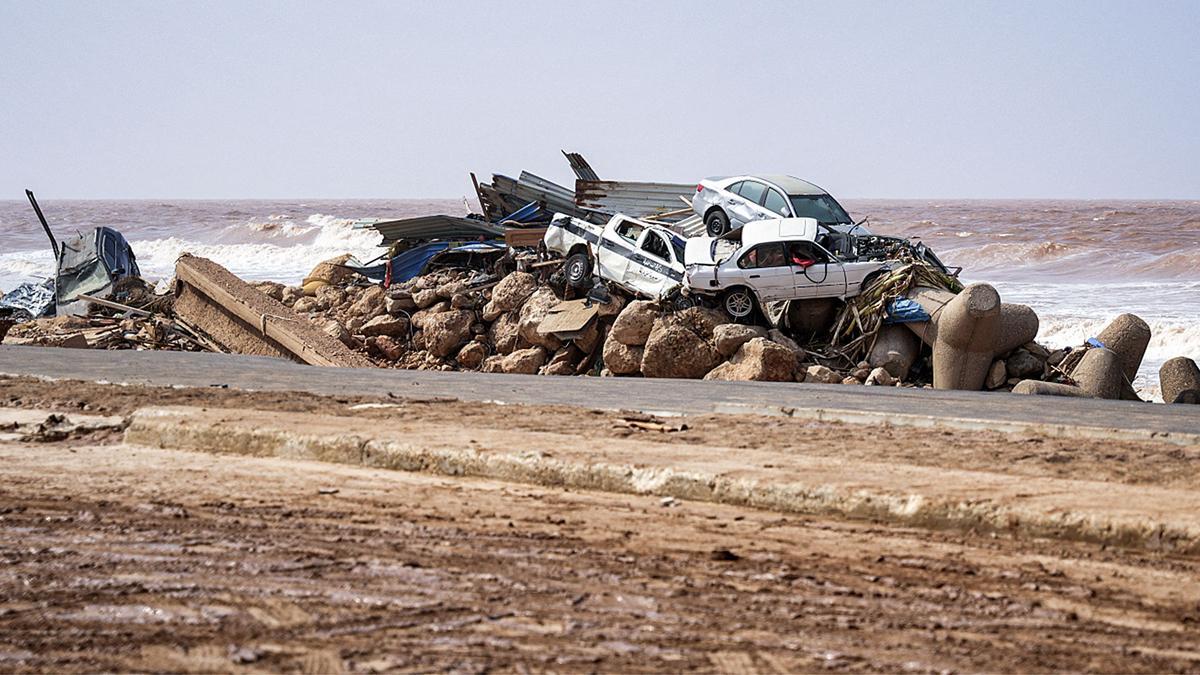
[738, 304]
[575, 273]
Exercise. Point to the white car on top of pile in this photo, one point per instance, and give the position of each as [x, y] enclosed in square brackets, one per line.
[728, 203]
[776, 259]
[640, 257]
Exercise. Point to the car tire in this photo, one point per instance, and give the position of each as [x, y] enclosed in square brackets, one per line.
[738, 303]
[578, 270]
[716, 223]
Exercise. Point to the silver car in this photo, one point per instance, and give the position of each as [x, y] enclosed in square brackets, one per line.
[727, 204]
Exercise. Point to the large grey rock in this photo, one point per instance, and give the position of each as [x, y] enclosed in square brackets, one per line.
[533, 312]
[471, 356]
[1023, 365]
[447, 331]
[729, 337]
[759, 360]
[896, 348]
[673, 350]
[504, 334]
[997, 375]
[621, 358]
[1179, 380]
[563, 361]
[524, 361]
[513, 290]
[633, 325]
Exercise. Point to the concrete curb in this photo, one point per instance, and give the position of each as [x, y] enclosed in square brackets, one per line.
[1113, 514]
[964, 423]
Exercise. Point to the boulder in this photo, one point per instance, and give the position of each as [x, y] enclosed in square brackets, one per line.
[896, 348]
[386, 324]
[425, 298]
[330, 271]
[672, 350]
[268, 288]
[399, 302]
[447, 291]
[305, 305]
[997, 375]
[370, 304]
[513, 290]
[471, 356]
[634, 323]
[758, 359]
[1024, 365]
[729, 337]
[778, 337]
[330, 296]
[620, 358]
[821, 375]
[445, 332]
[462, 301]
[524, 361]
[880, 377]
[533, 312]
[810, 319]
[503, 333]
[563, 362]
[1179, 380]
[291, 294]
[385, 347]
[490, 312]
[611, 308]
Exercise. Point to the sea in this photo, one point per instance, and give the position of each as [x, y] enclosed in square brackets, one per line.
[1077, 263]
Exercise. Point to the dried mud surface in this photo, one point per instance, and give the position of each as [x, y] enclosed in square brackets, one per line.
[1132, 462]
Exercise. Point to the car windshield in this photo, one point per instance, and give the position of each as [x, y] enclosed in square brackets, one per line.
[823, 208]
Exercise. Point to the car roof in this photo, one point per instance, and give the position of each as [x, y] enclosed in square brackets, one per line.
[779, 229]
[793, 185]
[789, 184]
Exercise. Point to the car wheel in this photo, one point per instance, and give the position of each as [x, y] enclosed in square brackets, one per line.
[716, 223]
[738, 303]
[579, 270]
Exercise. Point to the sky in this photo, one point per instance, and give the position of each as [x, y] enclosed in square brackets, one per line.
[256, 99]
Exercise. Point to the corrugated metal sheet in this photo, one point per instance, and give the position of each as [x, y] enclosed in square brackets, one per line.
[583, 170]
[634, 198]
[530, 187]
[430, 227]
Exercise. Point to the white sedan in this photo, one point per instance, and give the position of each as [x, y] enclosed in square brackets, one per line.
[777, 259]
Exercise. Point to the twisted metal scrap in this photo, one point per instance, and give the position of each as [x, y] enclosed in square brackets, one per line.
[860, 319]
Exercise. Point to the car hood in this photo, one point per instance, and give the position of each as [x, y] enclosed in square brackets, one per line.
[700, 251]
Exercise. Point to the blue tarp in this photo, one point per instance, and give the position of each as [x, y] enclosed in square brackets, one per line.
[903, 310]
[414, 261]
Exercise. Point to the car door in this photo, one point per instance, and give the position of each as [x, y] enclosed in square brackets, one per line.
[775, 204]
[743, 206]
[816, 273]
[617, 243]
[650, 268]
[767, 271]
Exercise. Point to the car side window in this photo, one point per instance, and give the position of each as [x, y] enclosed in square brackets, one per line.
[764, 255]
[629, 230]
[656, 246]
[736, 186]
[752, 191]
[775, 203]
[805, 253]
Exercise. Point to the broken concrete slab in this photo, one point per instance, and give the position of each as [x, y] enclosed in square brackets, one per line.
[245, 320]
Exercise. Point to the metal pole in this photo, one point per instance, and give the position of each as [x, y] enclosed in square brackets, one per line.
[45, 226]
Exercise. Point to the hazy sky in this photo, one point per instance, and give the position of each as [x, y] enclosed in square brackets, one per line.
[362, 99]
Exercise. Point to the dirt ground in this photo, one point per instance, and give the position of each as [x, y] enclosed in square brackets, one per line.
[1132, 462]
[125, 558]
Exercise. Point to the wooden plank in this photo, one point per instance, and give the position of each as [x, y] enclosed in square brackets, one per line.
[568, 316]
[112, 305]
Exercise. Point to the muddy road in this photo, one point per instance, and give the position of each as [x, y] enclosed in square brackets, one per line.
[122, 558]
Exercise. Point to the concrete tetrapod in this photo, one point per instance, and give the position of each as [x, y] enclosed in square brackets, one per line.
[1099, 374]
[973, 322]
[1127, 335]
[1179, 380]
[895, 350]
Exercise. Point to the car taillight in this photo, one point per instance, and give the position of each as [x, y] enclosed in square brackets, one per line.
[699, 187]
